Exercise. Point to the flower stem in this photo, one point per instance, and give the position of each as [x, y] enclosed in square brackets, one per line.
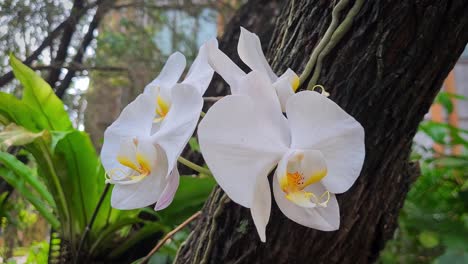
[169, 235]
[91, 222]
[324, 41]
[194, 166]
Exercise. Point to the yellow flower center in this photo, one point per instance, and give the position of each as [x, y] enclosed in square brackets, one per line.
[138, 172]
[294, 183]
[162, 108]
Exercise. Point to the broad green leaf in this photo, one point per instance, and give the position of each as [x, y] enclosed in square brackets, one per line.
[39, 95]
[190, 197]
[16, 111]
[78, 167]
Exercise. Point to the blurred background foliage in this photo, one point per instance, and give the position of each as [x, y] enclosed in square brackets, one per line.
[433, 224]
[96, 56]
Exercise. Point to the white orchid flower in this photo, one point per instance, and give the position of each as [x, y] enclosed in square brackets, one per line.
[141, 147]
[250, 52]
[318, 150]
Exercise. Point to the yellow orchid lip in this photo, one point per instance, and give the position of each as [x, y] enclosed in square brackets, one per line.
[162, 108]
[294, 183]
[119, 176]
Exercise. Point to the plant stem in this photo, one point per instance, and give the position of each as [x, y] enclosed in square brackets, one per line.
[91, 222]
[169, 235]
[338, 34]
[194, 166]
[324, 41]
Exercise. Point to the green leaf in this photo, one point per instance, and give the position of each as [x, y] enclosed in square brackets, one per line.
[78, 169]
[194, 146]
[20, 186]
[454, 162]
[26, 174]
[13, 110]
[39, 96]
[428, 239]
[190, 197]
[444, 99]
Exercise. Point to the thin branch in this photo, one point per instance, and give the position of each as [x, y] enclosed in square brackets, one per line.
[79, 67]
[166, 5]
[7, 77]
[62, 52]
[102, 9]
[169, 235]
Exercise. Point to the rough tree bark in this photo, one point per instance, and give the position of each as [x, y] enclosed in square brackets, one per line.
[385, 72]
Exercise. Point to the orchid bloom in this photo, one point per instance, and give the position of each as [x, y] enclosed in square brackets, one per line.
[318, 151]
[250, 51]
[141, 147]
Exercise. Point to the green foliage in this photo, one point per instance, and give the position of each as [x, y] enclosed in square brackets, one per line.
[433, 225]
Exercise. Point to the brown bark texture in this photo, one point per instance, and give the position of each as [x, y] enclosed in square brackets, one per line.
[385, 71]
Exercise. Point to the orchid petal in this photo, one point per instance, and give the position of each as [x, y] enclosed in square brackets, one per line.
[201, 73]
[258, 87]
[225, 67]
[285, 87]
[321, 218]
[146, 191]
[168, 76]
[134, 121]
[237, 148]
[180, 122]
[250, 52]
[318, 123]
[169, 191]
[261, 206]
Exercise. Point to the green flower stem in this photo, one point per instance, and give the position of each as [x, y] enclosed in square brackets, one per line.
[194, 166]
[338, 34]
[324, 41]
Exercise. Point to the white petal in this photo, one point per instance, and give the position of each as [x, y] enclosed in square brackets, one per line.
[179, 124]
[201, 73]
[169, 75]
[144, 192]
[169, 191]
[318, 123]
[250, 52]
[134, 121]
[325, 219]
[237, 148]
[257, 86]
[285, 86]
[225, 67]
[261, 206]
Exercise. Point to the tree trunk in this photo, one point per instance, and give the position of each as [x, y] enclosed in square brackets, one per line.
[385, 71]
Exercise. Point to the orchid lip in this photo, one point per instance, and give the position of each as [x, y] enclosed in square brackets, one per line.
[297, 178]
